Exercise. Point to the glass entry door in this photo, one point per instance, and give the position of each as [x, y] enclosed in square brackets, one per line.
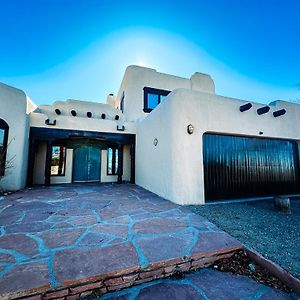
[87, 164]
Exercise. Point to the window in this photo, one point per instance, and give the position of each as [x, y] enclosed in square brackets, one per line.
[58, 161]
[3, 145]
[152, 97]
[112, 161]
[122, 102]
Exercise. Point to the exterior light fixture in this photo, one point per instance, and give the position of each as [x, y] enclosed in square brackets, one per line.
[73, 113]
[245, 107]
[89, 114]
[263, 110]
[279, 113]
[117, 117]
[155, 142]
[103, 116]
[190, 129]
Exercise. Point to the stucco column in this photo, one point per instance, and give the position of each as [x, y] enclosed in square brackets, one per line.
[48, 163]
[31, 161]
[120, 163]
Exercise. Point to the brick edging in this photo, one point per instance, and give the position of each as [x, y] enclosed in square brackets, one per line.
[288, 279]
[120, 280]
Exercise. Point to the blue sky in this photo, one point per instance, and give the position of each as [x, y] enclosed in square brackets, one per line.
[59, 49]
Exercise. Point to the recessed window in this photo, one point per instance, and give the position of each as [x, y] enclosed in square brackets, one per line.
[122, 102]
[112, 161]
[3, 145]
[152, 97]
[58, 161]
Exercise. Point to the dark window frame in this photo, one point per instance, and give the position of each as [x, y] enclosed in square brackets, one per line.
[114, 169]
[4, 126]
[150, 90]
[122, 102]
[63, 163]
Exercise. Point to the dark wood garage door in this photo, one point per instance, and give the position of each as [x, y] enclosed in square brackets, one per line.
[240, 167]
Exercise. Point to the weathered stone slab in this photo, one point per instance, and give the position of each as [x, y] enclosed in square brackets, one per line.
[75, 264]
[26, 277]
[159, 225]
[20, 243]
[118, 230]
[169, 291]
[61, 238]
[215, 242]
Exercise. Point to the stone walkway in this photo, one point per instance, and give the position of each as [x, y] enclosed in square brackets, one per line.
[207, 284]
[60, 237]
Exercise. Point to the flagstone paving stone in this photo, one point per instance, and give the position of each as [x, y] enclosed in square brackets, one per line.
[206, 284]
[65, 234]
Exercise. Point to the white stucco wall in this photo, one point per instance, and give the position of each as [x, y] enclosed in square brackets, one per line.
[81, 122]
[174, 169]
[14, 105]
[136, 78]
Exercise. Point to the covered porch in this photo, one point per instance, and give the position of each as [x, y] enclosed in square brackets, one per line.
[72, 156]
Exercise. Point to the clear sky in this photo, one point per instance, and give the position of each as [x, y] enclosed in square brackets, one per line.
[60, 49]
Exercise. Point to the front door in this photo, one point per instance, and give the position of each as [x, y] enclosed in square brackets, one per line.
[86, 164]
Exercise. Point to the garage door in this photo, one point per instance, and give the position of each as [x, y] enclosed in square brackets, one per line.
[240, 167]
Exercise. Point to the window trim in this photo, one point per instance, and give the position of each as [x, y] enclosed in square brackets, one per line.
[64, 161]
[122, 102]
[149, 90]
[5, 127]
[113, 164]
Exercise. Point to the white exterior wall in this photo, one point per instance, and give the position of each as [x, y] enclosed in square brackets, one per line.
[175, 171]
[81, 121]
[14, 105]
[136, 78]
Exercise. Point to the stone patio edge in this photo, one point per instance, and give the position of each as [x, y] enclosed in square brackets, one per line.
[114, 281]
[287, 278]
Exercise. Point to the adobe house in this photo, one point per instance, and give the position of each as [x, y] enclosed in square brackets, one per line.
[171, 135]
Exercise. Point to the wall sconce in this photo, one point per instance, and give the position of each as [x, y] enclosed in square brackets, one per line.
[155, 142]
[73, 113]
[279, 113]
[263, 110]
[190, 129]
[245, 107]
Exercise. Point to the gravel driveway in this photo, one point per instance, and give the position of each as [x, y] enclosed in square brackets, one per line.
[256, 224]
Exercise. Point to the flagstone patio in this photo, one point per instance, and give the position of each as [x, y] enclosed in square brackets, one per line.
[65, 240]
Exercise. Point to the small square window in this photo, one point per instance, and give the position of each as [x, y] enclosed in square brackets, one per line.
[152, 97]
